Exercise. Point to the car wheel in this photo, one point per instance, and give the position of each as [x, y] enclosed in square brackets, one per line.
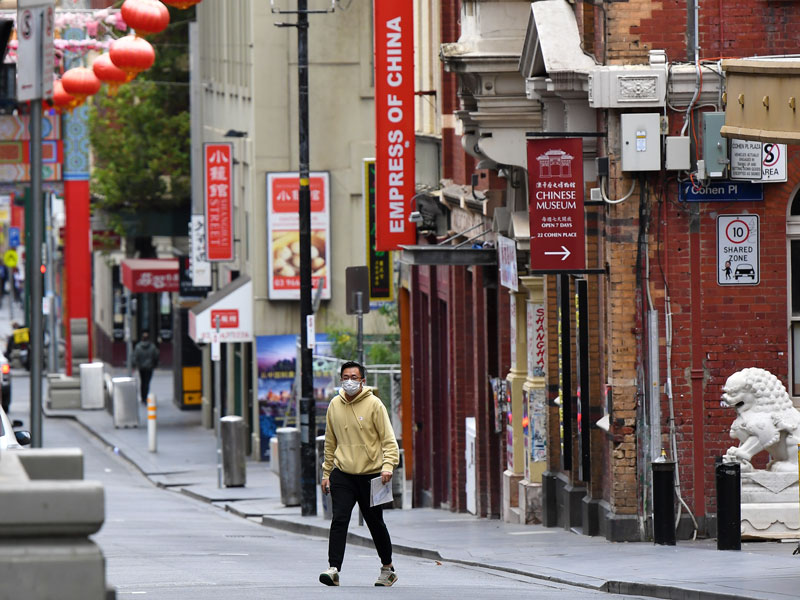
[6, 398]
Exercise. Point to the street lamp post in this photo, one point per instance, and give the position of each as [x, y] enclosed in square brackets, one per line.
[308, 417]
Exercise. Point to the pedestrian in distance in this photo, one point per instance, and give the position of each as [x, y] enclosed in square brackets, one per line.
[359, 446]
[145, 358]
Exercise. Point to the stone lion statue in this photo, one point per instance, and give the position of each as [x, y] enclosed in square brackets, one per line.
[766, 420]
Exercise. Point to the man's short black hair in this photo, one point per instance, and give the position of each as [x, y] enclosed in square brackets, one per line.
[349, 365]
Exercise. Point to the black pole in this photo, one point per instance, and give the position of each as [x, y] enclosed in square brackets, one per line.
[729, 506]
[308, 422]
[664, 503]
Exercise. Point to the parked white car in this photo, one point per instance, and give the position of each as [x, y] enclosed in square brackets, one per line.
[10, 439]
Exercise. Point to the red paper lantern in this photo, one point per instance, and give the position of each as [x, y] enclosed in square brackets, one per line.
[80, 82]
[132, 54]
[62, 100]
[145, 16]
[109, 73]
[182, 4]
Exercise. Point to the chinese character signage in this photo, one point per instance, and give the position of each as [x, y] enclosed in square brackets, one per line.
[283, 234]
[507, 257]
[218, 201]
[555, 192]
[381, 271]
[394, 123]
[199, 267]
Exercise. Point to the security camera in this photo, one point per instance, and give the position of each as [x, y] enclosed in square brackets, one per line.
[415, 217]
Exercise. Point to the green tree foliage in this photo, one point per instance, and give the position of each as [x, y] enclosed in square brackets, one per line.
[378, 349]
[141, 137]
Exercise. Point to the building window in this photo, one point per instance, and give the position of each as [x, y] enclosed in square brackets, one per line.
[793, 250]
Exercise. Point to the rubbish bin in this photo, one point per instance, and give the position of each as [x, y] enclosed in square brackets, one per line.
[289, 460]
[125, 406]
[327, 507]
[234, 466]
[92, 386]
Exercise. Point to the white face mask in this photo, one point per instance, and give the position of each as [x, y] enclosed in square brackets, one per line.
[351, 387]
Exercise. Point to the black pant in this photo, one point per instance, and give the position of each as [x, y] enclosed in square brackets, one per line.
[145, 375]
[346, 490]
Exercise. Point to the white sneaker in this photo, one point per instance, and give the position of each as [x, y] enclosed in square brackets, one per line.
[330, 576]
[386, 578]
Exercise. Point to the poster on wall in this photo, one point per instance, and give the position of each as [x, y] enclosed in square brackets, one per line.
[283, 234]
[277, 360]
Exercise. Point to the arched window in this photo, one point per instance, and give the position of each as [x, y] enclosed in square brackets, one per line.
[793, 276]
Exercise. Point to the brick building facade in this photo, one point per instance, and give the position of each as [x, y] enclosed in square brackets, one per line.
[663, 334]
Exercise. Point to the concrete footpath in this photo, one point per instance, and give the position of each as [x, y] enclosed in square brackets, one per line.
[186, 462]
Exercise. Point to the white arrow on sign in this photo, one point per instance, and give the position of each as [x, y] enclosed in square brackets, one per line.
[564, 253]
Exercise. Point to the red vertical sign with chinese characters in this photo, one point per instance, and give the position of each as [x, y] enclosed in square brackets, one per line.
[555, 195]
[394, 123]
[218, 200]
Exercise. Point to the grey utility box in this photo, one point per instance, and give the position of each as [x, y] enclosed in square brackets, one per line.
[125, 408]
[92, 386]
[234, 447]
[289, 459]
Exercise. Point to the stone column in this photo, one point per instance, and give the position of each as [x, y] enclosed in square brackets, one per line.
[515, 468]
[534, 409]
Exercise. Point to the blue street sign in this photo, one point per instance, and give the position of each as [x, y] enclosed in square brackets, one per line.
[13, 237]
[722, 190]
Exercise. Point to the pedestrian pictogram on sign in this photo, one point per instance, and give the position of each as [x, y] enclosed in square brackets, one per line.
[738, 250]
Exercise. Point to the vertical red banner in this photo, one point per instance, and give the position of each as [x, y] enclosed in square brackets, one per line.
[555, 204]
[394, 123]
[218, 200]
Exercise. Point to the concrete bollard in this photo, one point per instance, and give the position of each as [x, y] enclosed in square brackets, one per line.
[152, 442]
[289, 458]
[234, 445]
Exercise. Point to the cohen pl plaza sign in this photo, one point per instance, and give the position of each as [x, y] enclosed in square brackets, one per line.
[555, 192]
[394, 123]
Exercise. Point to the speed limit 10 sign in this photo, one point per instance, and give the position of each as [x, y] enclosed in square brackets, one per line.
[738, 251]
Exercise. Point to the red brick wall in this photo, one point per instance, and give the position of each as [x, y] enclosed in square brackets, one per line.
[742, 28]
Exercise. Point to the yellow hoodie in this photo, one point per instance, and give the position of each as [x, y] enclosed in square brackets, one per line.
[359, 438]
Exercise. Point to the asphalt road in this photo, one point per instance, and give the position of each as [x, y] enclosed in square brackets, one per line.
[161, 544]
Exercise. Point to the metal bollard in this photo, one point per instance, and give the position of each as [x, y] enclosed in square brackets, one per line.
[289, 460]
[729, 506]
[234, 465]
[327, 507]
[664, 503]
[152, 442]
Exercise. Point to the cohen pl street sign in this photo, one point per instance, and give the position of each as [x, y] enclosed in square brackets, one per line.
[555, 196]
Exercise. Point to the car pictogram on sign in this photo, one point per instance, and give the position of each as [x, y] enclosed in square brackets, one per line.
[744, 270]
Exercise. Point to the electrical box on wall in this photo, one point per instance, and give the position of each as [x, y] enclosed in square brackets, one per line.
[641, 141]
[678, 152]
[715, 147]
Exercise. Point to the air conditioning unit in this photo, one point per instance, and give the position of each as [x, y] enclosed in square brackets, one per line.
[628, 86]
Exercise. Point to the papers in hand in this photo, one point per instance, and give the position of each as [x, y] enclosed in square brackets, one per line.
[381, 493]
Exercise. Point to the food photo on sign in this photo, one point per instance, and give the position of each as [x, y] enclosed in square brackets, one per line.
[283, 234]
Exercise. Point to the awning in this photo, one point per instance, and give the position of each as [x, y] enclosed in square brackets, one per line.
[447, 255]
[233, 304]
[142, 275]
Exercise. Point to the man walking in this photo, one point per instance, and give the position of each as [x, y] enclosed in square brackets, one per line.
[359, 446]
[145, 358]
